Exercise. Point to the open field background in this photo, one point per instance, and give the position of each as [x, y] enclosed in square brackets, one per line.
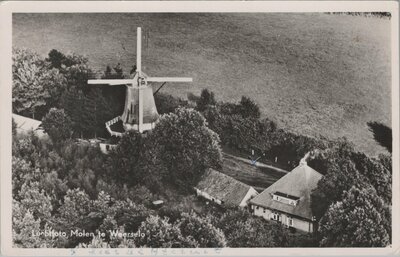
[315, 74]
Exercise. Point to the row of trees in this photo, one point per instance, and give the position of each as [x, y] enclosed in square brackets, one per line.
[240, 127]
[365, 14]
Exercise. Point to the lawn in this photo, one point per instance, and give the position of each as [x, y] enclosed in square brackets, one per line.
[313, 73]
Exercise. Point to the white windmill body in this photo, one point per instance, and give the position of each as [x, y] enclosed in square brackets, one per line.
[140, 112]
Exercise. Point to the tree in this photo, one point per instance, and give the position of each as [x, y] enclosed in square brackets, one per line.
[36, 201]
[74, 67]
[185, 146]
[58, 125]
[378, 175]
[82, 165]
[244, 230]
[114, 73]
[13, 127]
[134, 161]
[341, 176]
[361, 219]
[206, 99]
[248, 108]
[73, 213]
[20, 171]
[52, 185]
[23, 224]
[97, 111]
[73, 102]
[337, 149]
[97, 242]
[386, 161]
[89, 111]
[56, 59]
[120, 191]
[130, 215]
[159, 233]
[35, 84]
[201, 230]
[167, 103]
[382, 134]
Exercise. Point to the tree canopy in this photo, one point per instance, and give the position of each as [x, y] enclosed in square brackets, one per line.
[35, 84]
[206, 99]
[382, 134]
[186, 146]
[361, 219]
[57, 125]
[245, 230]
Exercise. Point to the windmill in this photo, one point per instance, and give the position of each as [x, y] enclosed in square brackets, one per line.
[140, 112]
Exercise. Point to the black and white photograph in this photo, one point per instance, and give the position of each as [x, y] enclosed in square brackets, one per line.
[149, 129]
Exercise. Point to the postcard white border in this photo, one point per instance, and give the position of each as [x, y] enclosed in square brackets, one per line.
[6, 10]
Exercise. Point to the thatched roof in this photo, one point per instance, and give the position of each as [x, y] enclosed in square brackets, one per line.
[298, 183]
[223, 187]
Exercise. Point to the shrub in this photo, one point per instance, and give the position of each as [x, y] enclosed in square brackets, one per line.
[58, 125]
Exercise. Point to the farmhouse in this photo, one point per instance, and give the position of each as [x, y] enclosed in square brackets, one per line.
[24, 125]
[288, 200]
[224, 190]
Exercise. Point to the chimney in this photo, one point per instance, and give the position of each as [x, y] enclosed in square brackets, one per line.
[303, 161]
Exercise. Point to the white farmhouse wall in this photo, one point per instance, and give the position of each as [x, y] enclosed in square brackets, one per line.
[299, 224]
[303, 225]
[262, 212]
[249, 195]
[207, 196]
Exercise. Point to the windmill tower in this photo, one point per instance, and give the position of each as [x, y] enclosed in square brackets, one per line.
[140, 112]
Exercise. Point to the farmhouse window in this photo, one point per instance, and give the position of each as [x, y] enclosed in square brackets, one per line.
[285, 198]
[276, 216]
[290, 222]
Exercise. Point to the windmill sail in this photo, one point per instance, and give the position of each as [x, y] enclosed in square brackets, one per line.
[139, 51]
[168, 79]
[111, 82]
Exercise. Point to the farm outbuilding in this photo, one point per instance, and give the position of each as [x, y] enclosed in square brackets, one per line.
[224, 190]
[25, 124]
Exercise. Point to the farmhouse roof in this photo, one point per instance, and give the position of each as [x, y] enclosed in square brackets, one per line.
[298, 183]
[26, 124]
[223, 187]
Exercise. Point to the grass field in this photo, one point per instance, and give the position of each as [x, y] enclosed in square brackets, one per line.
[259, 178]
[316, 74]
